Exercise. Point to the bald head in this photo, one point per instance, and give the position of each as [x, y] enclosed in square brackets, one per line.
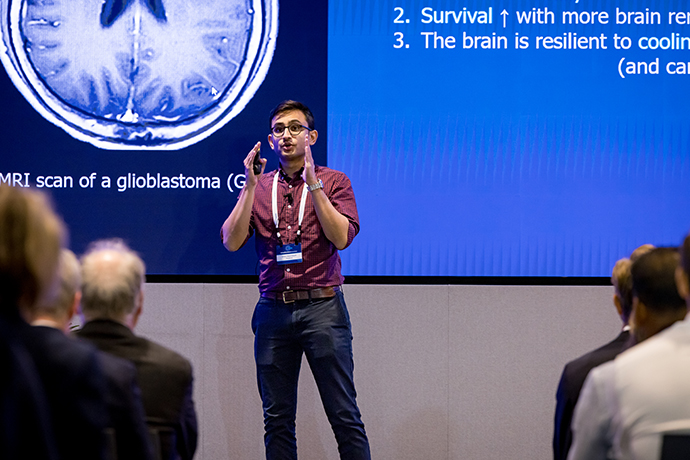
[112, 280]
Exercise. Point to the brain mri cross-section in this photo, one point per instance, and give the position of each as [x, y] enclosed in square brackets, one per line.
[138, 74]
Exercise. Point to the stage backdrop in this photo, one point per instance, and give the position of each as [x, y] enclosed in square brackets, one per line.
[514, 138]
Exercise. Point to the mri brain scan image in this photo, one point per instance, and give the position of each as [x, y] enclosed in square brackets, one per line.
[138, 74]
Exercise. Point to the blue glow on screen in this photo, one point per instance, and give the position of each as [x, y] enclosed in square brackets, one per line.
[506, 162]
[490, 161]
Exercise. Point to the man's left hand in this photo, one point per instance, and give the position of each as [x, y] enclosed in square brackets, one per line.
[308, 175]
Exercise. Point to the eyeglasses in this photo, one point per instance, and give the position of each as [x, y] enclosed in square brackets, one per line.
[294, 128]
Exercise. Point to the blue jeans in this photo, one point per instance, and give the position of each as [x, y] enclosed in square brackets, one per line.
[319, 328]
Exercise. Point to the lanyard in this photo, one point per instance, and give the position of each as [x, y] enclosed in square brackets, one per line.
[274, 207]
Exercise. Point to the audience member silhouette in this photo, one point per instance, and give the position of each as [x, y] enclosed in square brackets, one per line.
[121, 394]
[627, 404]
[70, 371]
[31, 236]
[112, 302]
[575, 372]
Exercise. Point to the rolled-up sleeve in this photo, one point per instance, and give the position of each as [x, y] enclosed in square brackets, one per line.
[342, 196]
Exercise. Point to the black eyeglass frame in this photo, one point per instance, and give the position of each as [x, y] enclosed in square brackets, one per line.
[288, 127]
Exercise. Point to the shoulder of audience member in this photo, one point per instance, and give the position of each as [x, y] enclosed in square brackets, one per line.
[164, 355]
[651, 348]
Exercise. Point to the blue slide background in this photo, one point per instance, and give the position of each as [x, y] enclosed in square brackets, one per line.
[482, 162]
[505, 162]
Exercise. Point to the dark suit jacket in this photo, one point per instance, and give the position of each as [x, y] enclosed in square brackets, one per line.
[572, 379]
[75, 391]
[125, 408]
[164, 376]
[25, 425]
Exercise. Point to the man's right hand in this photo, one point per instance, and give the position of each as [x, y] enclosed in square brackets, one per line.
[235, 229]
[252, 179]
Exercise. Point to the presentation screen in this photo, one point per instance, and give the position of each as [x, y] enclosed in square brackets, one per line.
[499, 138]
[484, 138]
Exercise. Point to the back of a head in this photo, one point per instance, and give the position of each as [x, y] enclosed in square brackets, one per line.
[653, 280]
[69, 283]
[621, 278]
[622, 281]
[640, 251]
[685, 255]
[31, 236]
[112, 279]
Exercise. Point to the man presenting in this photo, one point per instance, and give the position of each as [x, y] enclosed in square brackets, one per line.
[302, 214]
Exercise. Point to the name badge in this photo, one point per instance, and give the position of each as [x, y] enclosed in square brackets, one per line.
[289, 254]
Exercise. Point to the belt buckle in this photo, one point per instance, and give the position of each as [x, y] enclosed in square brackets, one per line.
[284, 299]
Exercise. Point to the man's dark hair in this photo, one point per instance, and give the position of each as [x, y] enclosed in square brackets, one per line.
[288, 106]
[653, 280]
[685, 254]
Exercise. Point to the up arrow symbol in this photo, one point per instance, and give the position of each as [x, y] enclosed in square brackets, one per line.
[505, 14]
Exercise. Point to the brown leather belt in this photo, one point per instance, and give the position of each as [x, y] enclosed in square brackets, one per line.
[291, 296]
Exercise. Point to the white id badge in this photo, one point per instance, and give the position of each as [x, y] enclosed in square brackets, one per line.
[289, 254]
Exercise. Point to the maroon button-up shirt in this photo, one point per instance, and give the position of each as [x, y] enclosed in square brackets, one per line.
[320, 266]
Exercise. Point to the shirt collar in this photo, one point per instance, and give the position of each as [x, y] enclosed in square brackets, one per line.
[286, 178]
